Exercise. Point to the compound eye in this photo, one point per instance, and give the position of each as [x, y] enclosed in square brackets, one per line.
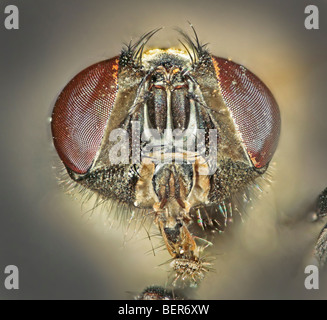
[81, 113]
[253, 108]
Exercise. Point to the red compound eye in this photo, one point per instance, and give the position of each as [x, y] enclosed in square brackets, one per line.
[81, 114]
[253, 108]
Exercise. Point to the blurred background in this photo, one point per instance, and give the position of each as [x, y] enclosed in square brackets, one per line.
[64, 252]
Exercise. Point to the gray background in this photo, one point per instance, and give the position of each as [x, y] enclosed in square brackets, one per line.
[64, 252]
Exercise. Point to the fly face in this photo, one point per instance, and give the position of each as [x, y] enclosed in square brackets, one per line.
[174, 133]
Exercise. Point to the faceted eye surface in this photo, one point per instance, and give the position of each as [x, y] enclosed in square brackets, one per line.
[81, 114]
[253, 108]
